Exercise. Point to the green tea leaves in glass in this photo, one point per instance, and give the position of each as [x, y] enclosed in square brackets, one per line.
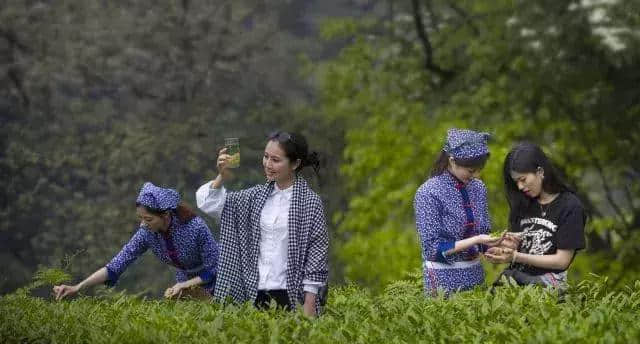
[233, 149]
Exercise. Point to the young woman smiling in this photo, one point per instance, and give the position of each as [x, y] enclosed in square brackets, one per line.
[273, 237]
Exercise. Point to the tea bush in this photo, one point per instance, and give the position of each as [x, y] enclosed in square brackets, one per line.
[590, 313]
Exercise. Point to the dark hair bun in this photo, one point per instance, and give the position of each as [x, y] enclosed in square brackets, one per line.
[313, 160]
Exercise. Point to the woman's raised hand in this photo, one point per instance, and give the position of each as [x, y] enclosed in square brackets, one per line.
[60, 291]
[222, 163]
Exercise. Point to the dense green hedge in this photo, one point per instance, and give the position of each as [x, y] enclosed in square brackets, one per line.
[590, 313]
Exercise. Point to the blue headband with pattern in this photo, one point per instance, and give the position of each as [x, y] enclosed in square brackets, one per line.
[155, 197]
[466, 144]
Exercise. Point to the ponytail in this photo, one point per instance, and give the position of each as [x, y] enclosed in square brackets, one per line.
[313, 160]
[183, 212]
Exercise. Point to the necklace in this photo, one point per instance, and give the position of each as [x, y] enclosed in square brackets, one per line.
[544, 209]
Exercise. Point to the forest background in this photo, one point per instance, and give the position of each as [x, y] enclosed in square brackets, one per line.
[97, 97]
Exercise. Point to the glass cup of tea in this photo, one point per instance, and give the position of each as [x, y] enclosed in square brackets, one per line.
[233, 150]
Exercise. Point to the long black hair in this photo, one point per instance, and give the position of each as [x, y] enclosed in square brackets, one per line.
[527, 157]
[295, 147]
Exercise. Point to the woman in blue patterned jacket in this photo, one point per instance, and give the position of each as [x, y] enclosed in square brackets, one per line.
[452, 216]
[274, 243]
[175, 235]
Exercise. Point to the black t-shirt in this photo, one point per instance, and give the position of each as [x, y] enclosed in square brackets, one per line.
[561, 227]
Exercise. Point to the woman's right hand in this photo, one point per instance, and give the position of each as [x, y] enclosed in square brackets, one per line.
[60, 291]
[222, 164]
[487, 239]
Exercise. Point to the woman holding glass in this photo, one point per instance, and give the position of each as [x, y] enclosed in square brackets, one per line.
[452, 216]
[273, 237]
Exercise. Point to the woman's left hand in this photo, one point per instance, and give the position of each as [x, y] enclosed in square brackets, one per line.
[309, 306]
[174, 292]
[499, 255]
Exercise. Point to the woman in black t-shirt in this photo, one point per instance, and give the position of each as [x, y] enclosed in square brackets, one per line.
[546, 219]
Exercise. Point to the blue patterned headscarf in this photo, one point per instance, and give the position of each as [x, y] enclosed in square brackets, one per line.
[466, 144]
[157, 198]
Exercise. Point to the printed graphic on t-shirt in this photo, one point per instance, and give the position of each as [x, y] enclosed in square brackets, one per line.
[537, 235]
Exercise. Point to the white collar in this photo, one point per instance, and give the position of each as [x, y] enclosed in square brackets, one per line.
[287, 193]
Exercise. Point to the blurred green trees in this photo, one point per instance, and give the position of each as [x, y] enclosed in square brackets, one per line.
[98, 97]
[558, 73]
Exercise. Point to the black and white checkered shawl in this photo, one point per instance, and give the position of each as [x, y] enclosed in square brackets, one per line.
[308, 243]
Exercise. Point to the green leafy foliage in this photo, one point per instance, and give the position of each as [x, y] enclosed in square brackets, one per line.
[590, 313]
[517, 70]
[51, 276]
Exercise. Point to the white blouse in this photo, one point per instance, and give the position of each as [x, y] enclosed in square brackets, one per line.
[274, 234]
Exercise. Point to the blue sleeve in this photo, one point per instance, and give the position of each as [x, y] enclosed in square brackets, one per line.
[209, 253]
[444, 246]
[428, 212]
[112, 277]
[136, 246]
[485, 227]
